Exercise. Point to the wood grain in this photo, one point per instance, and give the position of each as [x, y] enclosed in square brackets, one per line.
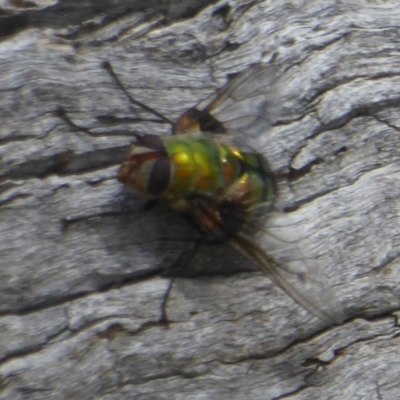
[84, 265]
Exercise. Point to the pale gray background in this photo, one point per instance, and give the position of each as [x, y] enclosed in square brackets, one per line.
[81, 262]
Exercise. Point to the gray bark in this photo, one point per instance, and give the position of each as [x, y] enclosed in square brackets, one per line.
[83, 263]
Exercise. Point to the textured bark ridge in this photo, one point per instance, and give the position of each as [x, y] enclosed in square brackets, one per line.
[84, 263]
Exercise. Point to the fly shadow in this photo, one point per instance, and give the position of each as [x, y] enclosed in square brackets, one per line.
[145, 238]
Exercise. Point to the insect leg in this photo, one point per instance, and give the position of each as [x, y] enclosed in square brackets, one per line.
[108, 67]
[180, 266]
[61, 113]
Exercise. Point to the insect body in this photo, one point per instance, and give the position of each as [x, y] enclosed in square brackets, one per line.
[208, 170]
[216, 183]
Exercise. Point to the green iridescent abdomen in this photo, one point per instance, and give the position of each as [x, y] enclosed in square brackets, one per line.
[202, 166]
[198, 165]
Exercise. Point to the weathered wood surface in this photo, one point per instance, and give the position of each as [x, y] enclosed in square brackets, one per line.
[81, 262]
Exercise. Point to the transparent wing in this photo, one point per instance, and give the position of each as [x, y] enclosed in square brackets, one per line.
[279, 258]
[247, 105]
[301, 278]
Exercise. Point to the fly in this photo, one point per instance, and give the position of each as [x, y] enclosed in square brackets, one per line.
[209, 170]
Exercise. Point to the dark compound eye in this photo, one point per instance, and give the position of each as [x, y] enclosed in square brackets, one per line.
[159, 177]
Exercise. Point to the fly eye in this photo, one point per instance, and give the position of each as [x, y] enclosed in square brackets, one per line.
[159, 177]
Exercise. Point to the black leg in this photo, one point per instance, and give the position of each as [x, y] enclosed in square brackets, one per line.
[61, 113]
[177, 269]
[108, 67]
